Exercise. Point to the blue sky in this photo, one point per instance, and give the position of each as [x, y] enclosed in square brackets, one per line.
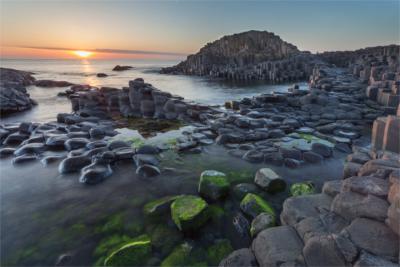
[185, 26]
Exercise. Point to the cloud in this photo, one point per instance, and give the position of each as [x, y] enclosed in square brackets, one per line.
[106, 50]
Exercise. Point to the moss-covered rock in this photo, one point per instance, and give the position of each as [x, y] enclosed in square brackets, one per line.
[213, 184]
[159, 206]
[108, 245]
[112, 224]
[135, 253]
[165, 238]
[180, 256]
[303, 188]
[253, 205]
[189, 212]
[219, 250]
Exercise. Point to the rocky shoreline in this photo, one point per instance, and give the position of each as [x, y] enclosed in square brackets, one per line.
[352, 222]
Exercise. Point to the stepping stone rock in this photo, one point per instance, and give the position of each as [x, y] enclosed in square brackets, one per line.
[312, 157]
[238, 258]
[374, 165]
[50, 159]
[189, 212]
[6, 152]
[147, 170]
[15, 138]
[142, 159]
[351, 205]
[96, 144]
[213, 185]
[32, 148]
[117, 144]
[268, 180]
[291, 153]
[56, 141]
[123, 153]
[277, 246]
[374, 237]
[75, 143]
[254, 156]
[24, 158]
[159, 206]
[321, 149]
[298, 208]
[147, 149]
[292, 163]
[95, 173]
[74, 164]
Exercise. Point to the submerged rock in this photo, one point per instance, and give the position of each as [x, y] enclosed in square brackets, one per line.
[189, 212]
[32, 148]
[135, 253]
[147, 170]
[74, 164]
[213, 184]
[159, 206]
[95, 173]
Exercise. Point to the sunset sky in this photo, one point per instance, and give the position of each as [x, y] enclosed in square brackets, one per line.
[173, 29]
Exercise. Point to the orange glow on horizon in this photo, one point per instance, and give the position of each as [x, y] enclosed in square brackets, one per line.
[82, 54]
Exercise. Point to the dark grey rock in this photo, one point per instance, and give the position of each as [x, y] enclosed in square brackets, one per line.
[75, 143]
[322, 149]
[74, 164]
[292, 163]
[147, 170]
[147, 149]
[254, 156]
[312, 157]
[24, 158]
[95, 173]
[6, 152]
[322, 251]
[369, 260]
[239, 258]
[268, 180]
[143, 159]
[32, 148]
[117, 144]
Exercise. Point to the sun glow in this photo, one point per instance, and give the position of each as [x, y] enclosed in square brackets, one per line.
[82, 54]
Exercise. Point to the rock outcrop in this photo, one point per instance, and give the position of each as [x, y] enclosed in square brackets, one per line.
[252, 55]
[13, 94]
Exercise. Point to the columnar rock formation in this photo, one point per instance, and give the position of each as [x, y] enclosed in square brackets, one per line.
[140, 99]
[252, 55]
[13, 94]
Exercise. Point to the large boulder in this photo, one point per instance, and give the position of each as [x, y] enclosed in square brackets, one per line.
[189, 212]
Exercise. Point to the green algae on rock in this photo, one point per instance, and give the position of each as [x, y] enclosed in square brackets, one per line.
[164, 238]
[303, 188]
[180, 256]
[218, 251]
[253, 205]
[135, 253]
[189, 212]
[213, 184]
[159, 206]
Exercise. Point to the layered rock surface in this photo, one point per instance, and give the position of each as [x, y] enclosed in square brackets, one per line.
[13, 94]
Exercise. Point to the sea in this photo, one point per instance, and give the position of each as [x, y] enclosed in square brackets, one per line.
[199, 89]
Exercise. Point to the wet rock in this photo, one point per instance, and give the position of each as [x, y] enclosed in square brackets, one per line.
[374, 237]
[117, 144]
[268, 180]
[274, 158]
[159, 206]
[135, 253]
[240, 190]
[121, 68]
[26, 127]
[97, 133]
[254, 156]
[56, 141]
[51, 159]
[95, 173]
[101, 75]
[32, 148]
[74, 164]
[261, 222]
[298, 208]
[342, 147]
[277, 246]
[147, 149]
[276, 133]
[322, 251]
[15, 138]
[351, 205]
[147, 170]
[78, 134]
[303, 188]
[241, 224]
[75, 143]
[24, 158]
[240, 257]
[292, 163]
[252, 205]
[322, 149]
[312, 157]
[374, 165]
[96, 144]
[189, 212]
[213, 185]
[123, 153]
[142, 159]
[6, 152]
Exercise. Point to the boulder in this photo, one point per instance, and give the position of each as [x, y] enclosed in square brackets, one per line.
[367, 185]
[277, 246]
[189, 212]
[268, 180]
[322, 251]
[332, 188]
[374, 237]
[261, 222]
[368, 260]
[213, 185]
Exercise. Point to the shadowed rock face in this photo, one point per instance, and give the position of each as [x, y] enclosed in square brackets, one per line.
[13, 95]
[233, 54]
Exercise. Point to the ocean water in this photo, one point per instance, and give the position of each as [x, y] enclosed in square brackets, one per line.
[199, 89]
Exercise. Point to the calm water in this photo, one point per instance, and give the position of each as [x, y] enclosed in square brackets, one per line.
[199, 89]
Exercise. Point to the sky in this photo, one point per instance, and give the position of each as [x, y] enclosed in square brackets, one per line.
[173, 29]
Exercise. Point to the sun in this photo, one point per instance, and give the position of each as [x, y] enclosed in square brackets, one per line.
[82, 54]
